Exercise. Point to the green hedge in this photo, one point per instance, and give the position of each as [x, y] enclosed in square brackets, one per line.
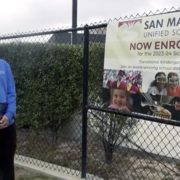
[49, 81]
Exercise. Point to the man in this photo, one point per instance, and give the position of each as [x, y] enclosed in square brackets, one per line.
[7, 125]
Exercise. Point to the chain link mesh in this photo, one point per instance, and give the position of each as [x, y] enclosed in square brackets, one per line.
[48, 124]
[126, 147]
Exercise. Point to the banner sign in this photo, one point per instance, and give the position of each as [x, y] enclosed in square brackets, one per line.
[142, 65]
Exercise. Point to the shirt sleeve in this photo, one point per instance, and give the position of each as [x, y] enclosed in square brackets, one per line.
[11, 96]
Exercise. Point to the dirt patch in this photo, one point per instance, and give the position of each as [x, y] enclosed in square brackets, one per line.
[126, 164]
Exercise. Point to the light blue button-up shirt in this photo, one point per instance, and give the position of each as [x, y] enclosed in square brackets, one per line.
[7, 90]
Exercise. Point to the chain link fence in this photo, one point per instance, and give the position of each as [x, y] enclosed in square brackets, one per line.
[122, 146]
[54, 83]
[48, 74]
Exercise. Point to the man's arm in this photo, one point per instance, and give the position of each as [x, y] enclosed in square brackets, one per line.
[11, 96]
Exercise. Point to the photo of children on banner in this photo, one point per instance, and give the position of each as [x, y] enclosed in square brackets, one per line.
[162, 98]
[121, 88]
[129, 80]
[162, 90]
[165, 86]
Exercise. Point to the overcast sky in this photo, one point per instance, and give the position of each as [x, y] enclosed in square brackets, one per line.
[18, 16]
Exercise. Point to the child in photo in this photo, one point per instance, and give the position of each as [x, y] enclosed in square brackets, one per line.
[158, 85]
[173, 88]
[119, 100]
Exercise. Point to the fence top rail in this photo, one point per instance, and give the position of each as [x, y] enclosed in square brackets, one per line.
[30, 34]
[137, 115]
[52, 32]
[40, 33]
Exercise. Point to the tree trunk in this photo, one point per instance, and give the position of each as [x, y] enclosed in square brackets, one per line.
[108, 149]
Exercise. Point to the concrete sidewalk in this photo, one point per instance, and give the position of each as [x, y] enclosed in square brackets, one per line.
[29, 174]
[39, 170]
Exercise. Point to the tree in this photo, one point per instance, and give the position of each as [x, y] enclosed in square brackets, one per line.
[113, 130]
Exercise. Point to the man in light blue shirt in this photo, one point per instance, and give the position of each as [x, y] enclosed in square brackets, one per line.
[7, 125]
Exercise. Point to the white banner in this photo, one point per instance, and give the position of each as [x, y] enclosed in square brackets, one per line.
[142, 57]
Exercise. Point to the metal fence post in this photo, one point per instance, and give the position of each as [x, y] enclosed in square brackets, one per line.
[85, 101]
[74, 21]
